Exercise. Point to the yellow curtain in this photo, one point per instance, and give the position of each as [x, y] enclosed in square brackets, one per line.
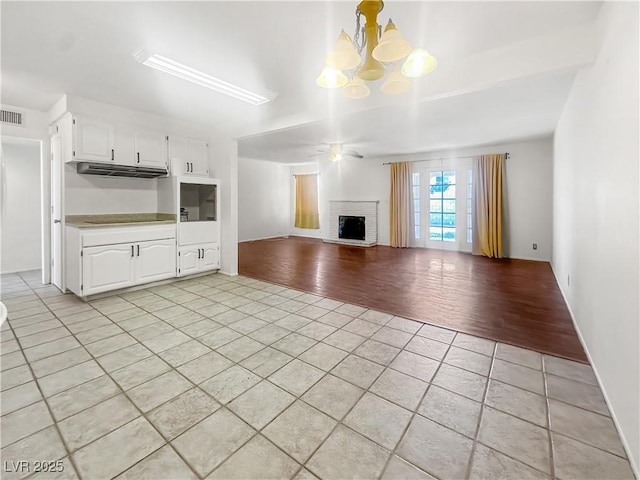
[487, 205]
[307, 201]
[400, 204]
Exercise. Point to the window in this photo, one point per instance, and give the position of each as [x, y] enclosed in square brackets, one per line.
[469, 206]
[442, 206]
[416, 202]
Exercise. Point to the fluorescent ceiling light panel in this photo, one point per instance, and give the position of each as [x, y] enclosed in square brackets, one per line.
[176, 69]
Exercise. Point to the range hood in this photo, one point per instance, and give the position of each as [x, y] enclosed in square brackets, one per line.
[112, 170]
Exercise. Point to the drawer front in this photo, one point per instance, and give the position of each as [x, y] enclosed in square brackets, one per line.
[113, 235]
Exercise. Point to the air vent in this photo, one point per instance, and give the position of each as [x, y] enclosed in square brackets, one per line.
[12, 118]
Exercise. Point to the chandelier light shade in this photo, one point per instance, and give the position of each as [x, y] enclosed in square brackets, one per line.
[344, 55]
[369, 56]
[419, 63]
[356, 88]
[392, 46]
[331, 78]
[396, 83]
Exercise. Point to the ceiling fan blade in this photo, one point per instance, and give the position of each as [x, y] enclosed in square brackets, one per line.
[353, 154]
[317, 154]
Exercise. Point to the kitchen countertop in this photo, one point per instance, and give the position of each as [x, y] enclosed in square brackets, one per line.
[119, 219]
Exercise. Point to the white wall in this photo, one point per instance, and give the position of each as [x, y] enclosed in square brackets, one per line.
[263, 199]
[529, 192]
[596, 210]
[21, 226]
[349, 179]
[92, 194]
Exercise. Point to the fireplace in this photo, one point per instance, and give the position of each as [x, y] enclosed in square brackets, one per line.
[351, 227]
[353, 222]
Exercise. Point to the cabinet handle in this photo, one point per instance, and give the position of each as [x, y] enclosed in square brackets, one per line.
[203, 253]
[191, 167]
[198, 253]
[112, 155]
[138, 250]
[132, 250]
[138, 156]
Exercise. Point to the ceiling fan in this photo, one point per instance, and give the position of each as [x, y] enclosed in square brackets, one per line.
[336, 153]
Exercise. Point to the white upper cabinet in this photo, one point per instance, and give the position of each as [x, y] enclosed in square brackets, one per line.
[150, 149]
[93, 140]
[199, 157]
[189, 156]
[122, 144]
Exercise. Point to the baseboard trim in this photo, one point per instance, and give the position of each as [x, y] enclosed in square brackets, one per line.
[625, 444]
[264, 238]
[228, 274]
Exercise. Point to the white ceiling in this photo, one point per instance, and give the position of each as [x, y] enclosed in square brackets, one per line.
[505, 68]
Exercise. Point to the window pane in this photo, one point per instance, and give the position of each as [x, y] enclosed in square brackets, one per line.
[416, 205]
[416, 191]
[449, 234]
[416, 218]
[469, 222]
[435, 233]
[435, 219]
[436, 191]
[417, 231]
[469, 176]
[416, 178]
[449, 177]
[450, 191]
[449, 220]
[435, 178]
[449, 206]
[435, 205]
[469, 236]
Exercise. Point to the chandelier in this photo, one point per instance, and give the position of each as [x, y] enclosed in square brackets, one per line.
[345, 67]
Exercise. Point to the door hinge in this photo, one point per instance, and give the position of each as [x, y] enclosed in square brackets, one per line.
[57, 130]
[81, 287]
[74, 121]
[167, 137]
[178, 253]
[81, 253]
[178, 270]
[74, 153]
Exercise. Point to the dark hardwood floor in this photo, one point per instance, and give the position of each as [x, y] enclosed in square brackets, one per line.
[512, 301]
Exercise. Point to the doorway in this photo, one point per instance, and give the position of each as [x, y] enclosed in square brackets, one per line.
[442, 205]
[21, 244]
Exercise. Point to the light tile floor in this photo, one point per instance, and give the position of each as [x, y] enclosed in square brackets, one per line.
[223, 377]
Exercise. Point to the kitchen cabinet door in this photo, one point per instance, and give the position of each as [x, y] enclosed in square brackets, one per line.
[150, 149]
[155, 260]
[107, 268]
[210, 257]
[188, 261]
[92, 140]
[179, 155]
[199, 157]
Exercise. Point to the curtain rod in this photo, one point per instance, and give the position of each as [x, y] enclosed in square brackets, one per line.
[506, 156]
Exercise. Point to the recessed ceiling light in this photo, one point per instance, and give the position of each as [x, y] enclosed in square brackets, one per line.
[174, 68]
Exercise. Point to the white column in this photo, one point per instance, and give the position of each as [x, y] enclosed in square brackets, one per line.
[224, 165]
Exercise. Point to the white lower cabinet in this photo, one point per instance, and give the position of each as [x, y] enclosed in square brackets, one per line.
[107, 268]
[109, 258]
[110, 267]
[198, 258]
